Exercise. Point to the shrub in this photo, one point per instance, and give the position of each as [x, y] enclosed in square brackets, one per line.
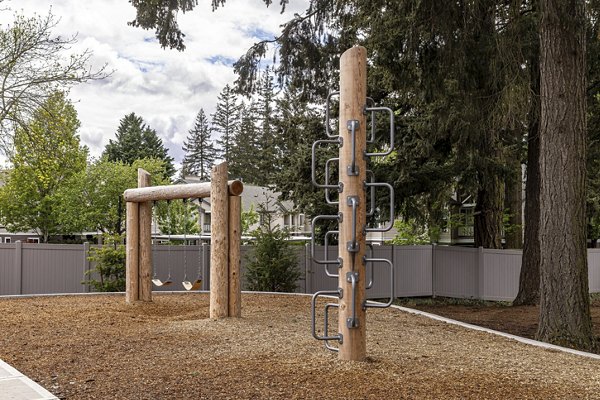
[273, 267]
[110, 265]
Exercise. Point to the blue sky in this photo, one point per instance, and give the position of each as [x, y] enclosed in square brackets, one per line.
[166, 87]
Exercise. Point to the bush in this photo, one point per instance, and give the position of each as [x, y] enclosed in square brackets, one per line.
[274, 267]
[110, 265]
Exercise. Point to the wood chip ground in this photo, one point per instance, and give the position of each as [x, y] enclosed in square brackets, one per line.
[97, 347]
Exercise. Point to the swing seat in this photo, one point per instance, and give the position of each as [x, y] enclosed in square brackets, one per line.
[159, 283]
[196, 285]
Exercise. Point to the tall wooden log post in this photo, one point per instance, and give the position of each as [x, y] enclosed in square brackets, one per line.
[219, 255]
[235, 239]
[132, 292]
[352, 174]
[145, 240]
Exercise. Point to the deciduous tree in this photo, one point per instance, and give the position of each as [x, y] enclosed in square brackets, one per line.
[47, 152]
[34, 64]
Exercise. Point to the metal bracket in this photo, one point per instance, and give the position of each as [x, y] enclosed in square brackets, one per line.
[353, 246]
[352, 277]
[353, 126]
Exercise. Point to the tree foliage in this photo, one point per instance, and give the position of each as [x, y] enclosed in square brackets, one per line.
[273, 266]
[47, 152]
[225, 122]
[92, 199]
[177, 217]
[135, 141]
[33, 66]
[200, 153]
[109, 266]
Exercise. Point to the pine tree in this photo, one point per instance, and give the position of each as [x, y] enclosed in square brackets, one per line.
[244, 149]
[199, 150]
[135, 141]
[225, 121]
[269, 151]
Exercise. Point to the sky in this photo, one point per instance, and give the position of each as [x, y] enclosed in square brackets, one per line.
[166, 88]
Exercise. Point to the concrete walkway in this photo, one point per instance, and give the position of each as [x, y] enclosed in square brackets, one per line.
[16, 386]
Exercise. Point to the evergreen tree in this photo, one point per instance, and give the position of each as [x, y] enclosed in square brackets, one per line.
[244, 150]
[135, 141]
[267, 144]
[564, 291]
[199, 149]
[225, 121]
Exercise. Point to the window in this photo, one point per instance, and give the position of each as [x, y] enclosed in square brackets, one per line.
[7, 240]
[33, 240]
[467, 221]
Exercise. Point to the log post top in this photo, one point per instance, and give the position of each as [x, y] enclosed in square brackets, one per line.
[172, 192]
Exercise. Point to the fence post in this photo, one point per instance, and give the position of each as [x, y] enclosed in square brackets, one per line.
[433, 271]
[86, 265]
[307, 270]
[18, 267]
[480, 274]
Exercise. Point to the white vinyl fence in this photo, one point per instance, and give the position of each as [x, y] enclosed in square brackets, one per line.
[418, 270]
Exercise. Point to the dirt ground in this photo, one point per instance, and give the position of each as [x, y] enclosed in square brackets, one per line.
[520, 321]
[97, 347]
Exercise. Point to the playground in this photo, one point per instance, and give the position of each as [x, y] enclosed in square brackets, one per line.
[98, 347]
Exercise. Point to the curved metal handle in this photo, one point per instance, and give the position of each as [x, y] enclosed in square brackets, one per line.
[391, 223]
[340, 187]
[337, 217]
[392, 130]
[328, 129]
[313, 172]
[392, 292]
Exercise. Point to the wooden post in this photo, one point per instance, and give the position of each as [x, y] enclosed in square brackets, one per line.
[131, 266]
[235, 238]
[145, 241]
[219, 256]
[352, 173]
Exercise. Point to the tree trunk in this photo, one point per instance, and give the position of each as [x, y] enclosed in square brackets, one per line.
[488, 212]
[513, 202]
[564, 294]
[529, 279]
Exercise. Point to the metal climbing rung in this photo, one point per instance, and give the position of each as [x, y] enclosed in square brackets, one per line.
[371, 175]
[326, 337]
[391, 300]
[373, 110]
[339, 188]
[338, 218]
[316, 144]
[390, 224]
[326, 255]
[328, 129]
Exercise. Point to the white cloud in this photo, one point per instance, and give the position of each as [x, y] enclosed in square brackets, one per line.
[166, 87]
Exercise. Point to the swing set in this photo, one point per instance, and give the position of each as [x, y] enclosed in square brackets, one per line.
[226, 208]
[186, 283]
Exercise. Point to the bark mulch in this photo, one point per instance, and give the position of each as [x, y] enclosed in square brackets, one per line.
[97, 347]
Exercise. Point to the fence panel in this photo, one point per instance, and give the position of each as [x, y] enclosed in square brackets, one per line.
[414, 271]
[501, 269]
[455, 272]
[10, 278]
[318, 279]
[594, 270]
[51, 268]
[419, 270]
